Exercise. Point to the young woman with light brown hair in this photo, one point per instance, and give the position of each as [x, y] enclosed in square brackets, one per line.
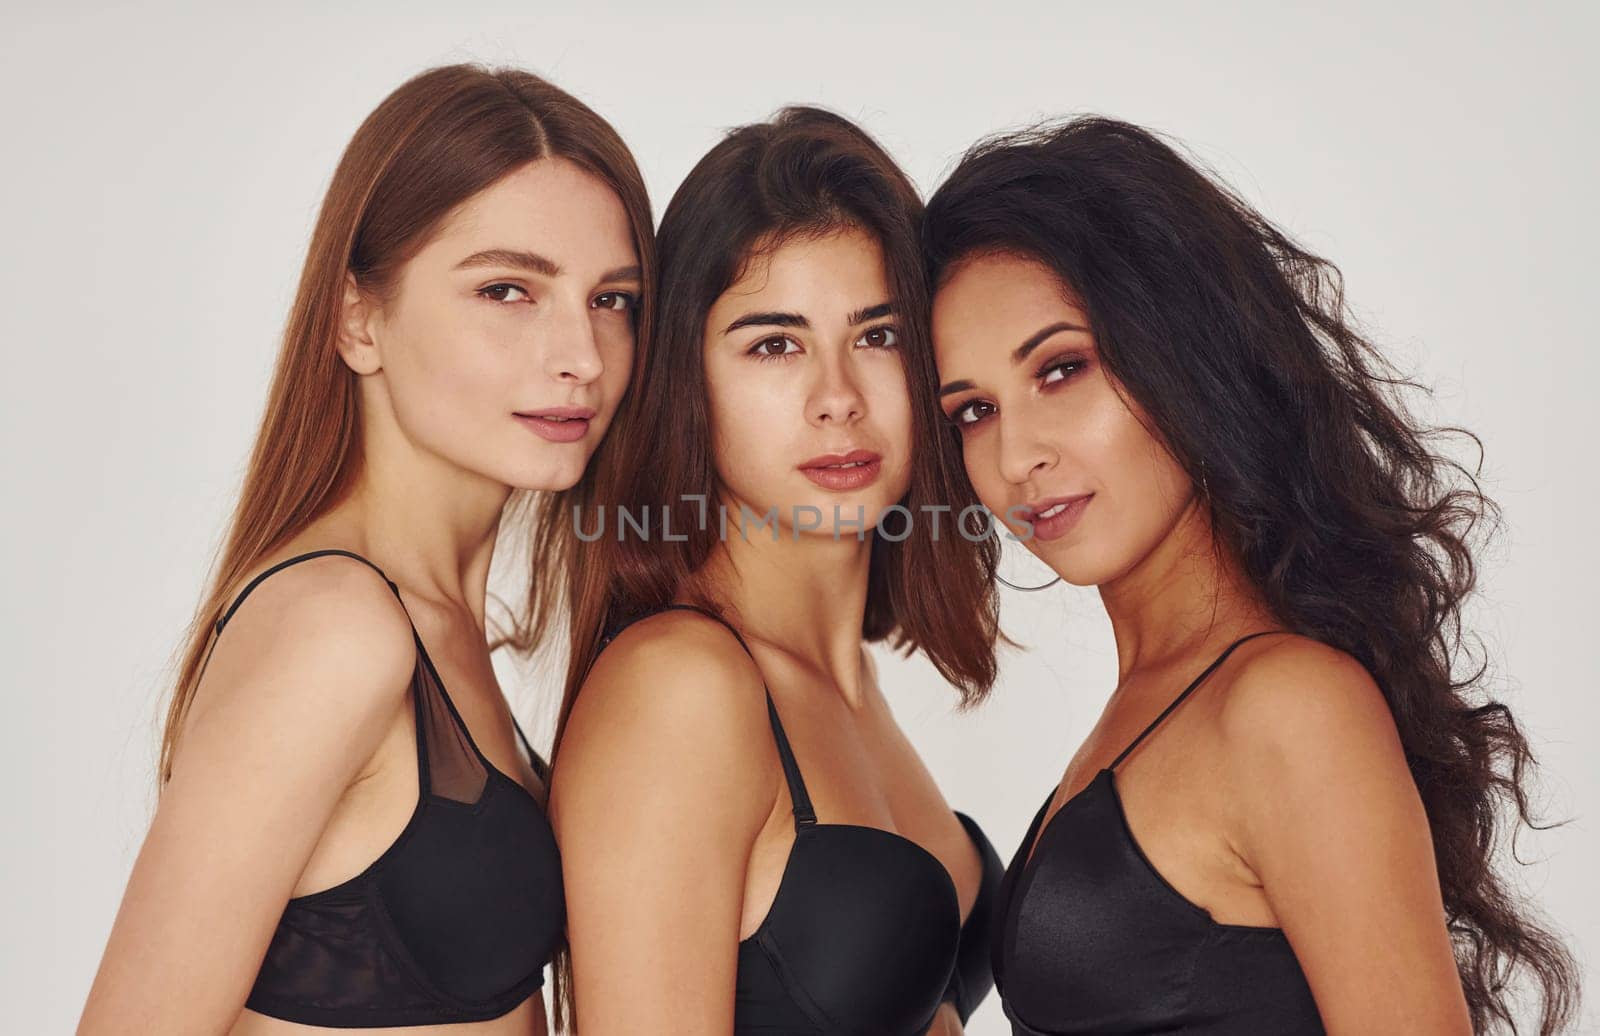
[340, 841]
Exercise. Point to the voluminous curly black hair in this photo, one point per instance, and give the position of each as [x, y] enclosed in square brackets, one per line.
[1346, 516]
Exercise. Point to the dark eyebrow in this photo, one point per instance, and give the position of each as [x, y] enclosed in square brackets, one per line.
[522, 260]
[861, 316]
[1038, 337]
[623, 273]
[1021, 352]
[768, 320]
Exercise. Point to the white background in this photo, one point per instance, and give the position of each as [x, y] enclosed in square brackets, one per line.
[162, 168]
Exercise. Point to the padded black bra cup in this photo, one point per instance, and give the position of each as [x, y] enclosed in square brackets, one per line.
[865, 934]
[861, 938]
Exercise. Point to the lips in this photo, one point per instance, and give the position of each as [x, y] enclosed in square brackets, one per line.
[557, 423]
[843, 471]
[1053, 518]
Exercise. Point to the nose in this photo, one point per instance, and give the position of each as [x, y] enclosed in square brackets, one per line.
[1023, 452]
[836, 397]
[571, 352]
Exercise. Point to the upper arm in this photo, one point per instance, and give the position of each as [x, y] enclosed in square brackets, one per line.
[946, 1021]
[663, 780]
[1330, 820]
[972, 979]
[302, 686]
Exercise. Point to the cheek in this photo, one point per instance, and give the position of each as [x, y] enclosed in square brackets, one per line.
[1148, 487]
[747, 416]
[889, 402]
[978, 454]
[738, 405]
[442, 368]
[617, 352]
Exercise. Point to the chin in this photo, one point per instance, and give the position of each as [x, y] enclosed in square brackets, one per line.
[870, 511]
[1082, 565]
[551, 477]
[871, 502]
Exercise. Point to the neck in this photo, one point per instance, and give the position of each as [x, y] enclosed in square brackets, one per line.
[430, 523]
[804, 596]
[1181, 599]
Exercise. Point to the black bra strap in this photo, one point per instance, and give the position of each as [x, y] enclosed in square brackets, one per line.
[804, 814]
[223, 621]
[1186, 692]
[541, 769]
[295, 560]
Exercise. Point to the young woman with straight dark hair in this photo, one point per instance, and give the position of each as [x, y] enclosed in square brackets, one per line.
[340, 841]
[1286, 818]
[752, 843]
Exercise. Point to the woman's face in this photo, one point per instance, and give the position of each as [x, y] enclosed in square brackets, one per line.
[506, 343]
[808, 397]
[1047, 437]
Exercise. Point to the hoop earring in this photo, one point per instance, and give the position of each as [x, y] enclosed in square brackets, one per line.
[1027, 589]
[995, 531]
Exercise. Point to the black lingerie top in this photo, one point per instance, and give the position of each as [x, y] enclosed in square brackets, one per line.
[457, 918]
[1092, 939]
[865, 934]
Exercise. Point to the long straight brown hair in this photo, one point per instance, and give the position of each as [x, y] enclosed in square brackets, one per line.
[805, 172]
[432, 144]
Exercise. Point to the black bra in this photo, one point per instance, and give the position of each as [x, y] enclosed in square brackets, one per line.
[1094, 940]
[455, 921]
[865, 934]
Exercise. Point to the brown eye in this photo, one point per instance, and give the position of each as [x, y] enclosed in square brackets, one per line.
[501, 292]
[970, 413]
[880, 338]
[774, 348]
[1058, 371]
[618, 300]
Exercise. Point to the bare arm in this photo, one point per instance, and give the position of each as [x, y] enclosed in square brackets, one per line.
[947, 1022]
[299, 692]
[663, 779]
[1331, 822]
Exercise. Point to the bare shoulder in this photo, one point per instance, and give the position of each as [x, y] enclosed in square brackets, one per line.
[671, 716]
[1320, 806]
[1292, 690]
[674, 670]
[1302, 721]
[327, 629]
[661, 785]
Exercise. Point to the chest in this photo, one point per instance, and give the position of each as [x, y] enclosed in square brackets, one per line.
[1094, 938]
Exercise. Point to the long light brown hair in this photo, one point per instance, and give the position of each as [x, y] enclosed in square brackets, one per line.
[436, 141]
